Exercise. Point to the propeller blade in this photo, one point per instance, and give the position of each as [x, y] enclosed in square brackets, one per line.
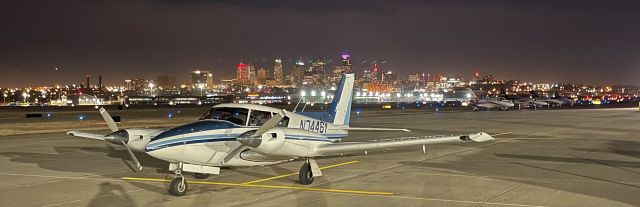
[133, 157]
[233, 153]
[107, 118]
[272, 122]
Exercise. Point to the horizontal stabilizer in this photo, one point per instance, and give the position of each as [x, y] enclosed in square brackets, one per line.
[86, 135]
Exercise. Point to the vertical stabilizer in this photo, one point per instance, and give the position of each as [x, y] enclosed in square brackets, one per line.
[340, 108]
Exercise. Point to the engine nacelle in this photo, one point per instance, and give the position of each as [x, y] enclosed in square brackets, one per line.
[271, 141]
[136, 138]
[288, 142]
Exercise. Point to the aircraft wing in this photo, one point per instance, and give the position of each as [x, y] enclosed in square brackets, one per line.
[351, 147]
[373, 129]
[86, 135]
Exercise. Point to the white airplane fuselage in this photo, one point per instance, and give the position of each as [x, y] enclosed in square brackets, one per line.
[209, 146]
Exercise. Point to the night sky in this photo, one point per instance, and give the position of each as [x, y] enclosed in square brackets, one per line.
[594, 42]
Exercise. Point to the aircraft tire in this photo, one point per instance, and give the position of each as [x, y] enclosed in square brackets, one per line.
[305, 175]
[177, 187]
[201, 175]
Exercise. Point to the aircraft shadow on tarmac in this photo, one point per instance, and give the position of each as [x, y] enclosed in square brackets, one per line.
[112, 195]
[620, 147]
[67, 159]
[529, 123]
[463, 167]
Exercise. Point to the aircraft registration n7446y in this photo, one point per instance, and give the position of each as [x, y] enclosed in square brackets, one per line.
[251, 135]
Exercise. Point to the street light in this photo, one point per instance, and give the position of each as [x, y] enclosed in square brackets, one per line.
[201, 86]
[25, 95]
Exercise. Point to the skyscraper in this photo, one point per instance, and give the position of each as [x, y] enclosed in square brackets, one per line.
[344, 67]
[166, 81]
[251, 74]
[316, 73]
[262, 76]
[298, 72]
[201, 79]
[242, 73]
[278, 75]
[100, 83]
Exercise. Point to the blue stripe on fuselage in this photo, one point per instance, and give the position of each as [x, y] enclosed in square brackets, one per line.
[197, 139]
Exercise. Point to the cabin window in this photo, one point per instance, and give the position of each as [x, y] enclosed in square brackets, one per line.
[234, 115]
[284, 122]
[258, 118]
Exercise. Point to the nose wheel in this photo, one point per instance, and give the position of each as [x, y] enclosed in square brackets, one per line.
[178, 185]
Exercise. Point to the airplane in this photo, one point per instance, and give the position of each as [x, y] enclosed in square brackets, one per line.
[535, 96]
[527, 101]
[501, 103]
[239, 135]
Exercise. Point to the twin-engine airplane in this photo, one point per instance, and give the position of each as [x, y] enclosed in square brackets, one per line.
[253, 135]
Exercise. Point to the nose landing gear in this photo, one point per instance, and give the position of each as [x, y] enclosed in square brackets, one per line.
[178, 185]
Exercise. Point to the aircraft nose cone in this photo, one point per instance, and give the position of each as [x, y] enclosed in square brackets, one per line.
[117, 137]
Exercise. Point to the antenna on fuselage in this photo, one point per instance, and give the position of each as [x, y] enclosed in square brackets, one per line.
[299, 100]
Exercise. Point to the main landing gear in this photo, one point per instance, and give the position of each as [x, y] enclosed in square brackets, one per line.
[305, 175]
[201, 175]
[178, 185]
[309, 171]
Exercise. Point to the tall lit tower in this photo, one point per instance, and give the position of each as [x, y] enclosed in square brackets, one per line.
[298, 72]
[242, 72]
[344, 67]
[88, 81]
[201, 79]
[278, 75]
[345, 61]
[316, 74]
[100, 83]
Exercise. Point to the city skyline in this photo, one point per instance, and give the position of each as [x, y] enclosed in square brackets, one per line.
[592, 42]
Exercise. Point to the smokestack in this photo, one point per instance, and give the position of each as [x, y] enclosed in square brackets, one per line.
[88, 81]
[99, 82]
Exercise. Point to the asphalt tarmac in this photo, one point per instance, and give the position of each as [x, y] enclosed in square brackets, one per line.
[539, 158]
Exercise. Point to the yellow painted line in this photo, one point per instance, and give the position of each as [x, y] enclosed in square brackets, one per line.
[291, 174]
[328, 190]
[501, 134]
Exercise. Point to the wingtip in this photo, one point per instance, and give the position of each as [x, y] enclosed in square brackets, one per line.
[482, 137]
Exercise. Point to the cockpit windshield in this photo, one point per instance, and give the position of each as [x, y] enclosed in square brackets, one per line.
[234, 115]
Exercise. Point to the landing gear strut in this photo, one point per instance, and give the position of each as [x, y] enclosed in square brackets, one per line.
[305, 175]
[178, 185]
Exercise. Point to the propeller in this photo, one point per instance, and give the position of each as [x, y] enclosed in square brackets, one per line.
[133, 157]
[107, 118]
[119, 137]
[254, 138]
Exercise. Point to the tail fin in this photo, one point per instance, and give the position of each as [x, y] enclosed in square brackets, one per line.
[340, 109]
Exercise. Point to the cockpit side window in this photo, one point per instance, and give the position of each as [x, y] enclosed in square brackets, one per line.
[258, 118]
[234, 115]
[284, 122]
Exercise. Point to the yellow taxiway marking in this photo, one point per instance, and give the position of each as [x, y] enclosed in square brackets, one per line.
[291, 174]
[501, 134]
[328, 190]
